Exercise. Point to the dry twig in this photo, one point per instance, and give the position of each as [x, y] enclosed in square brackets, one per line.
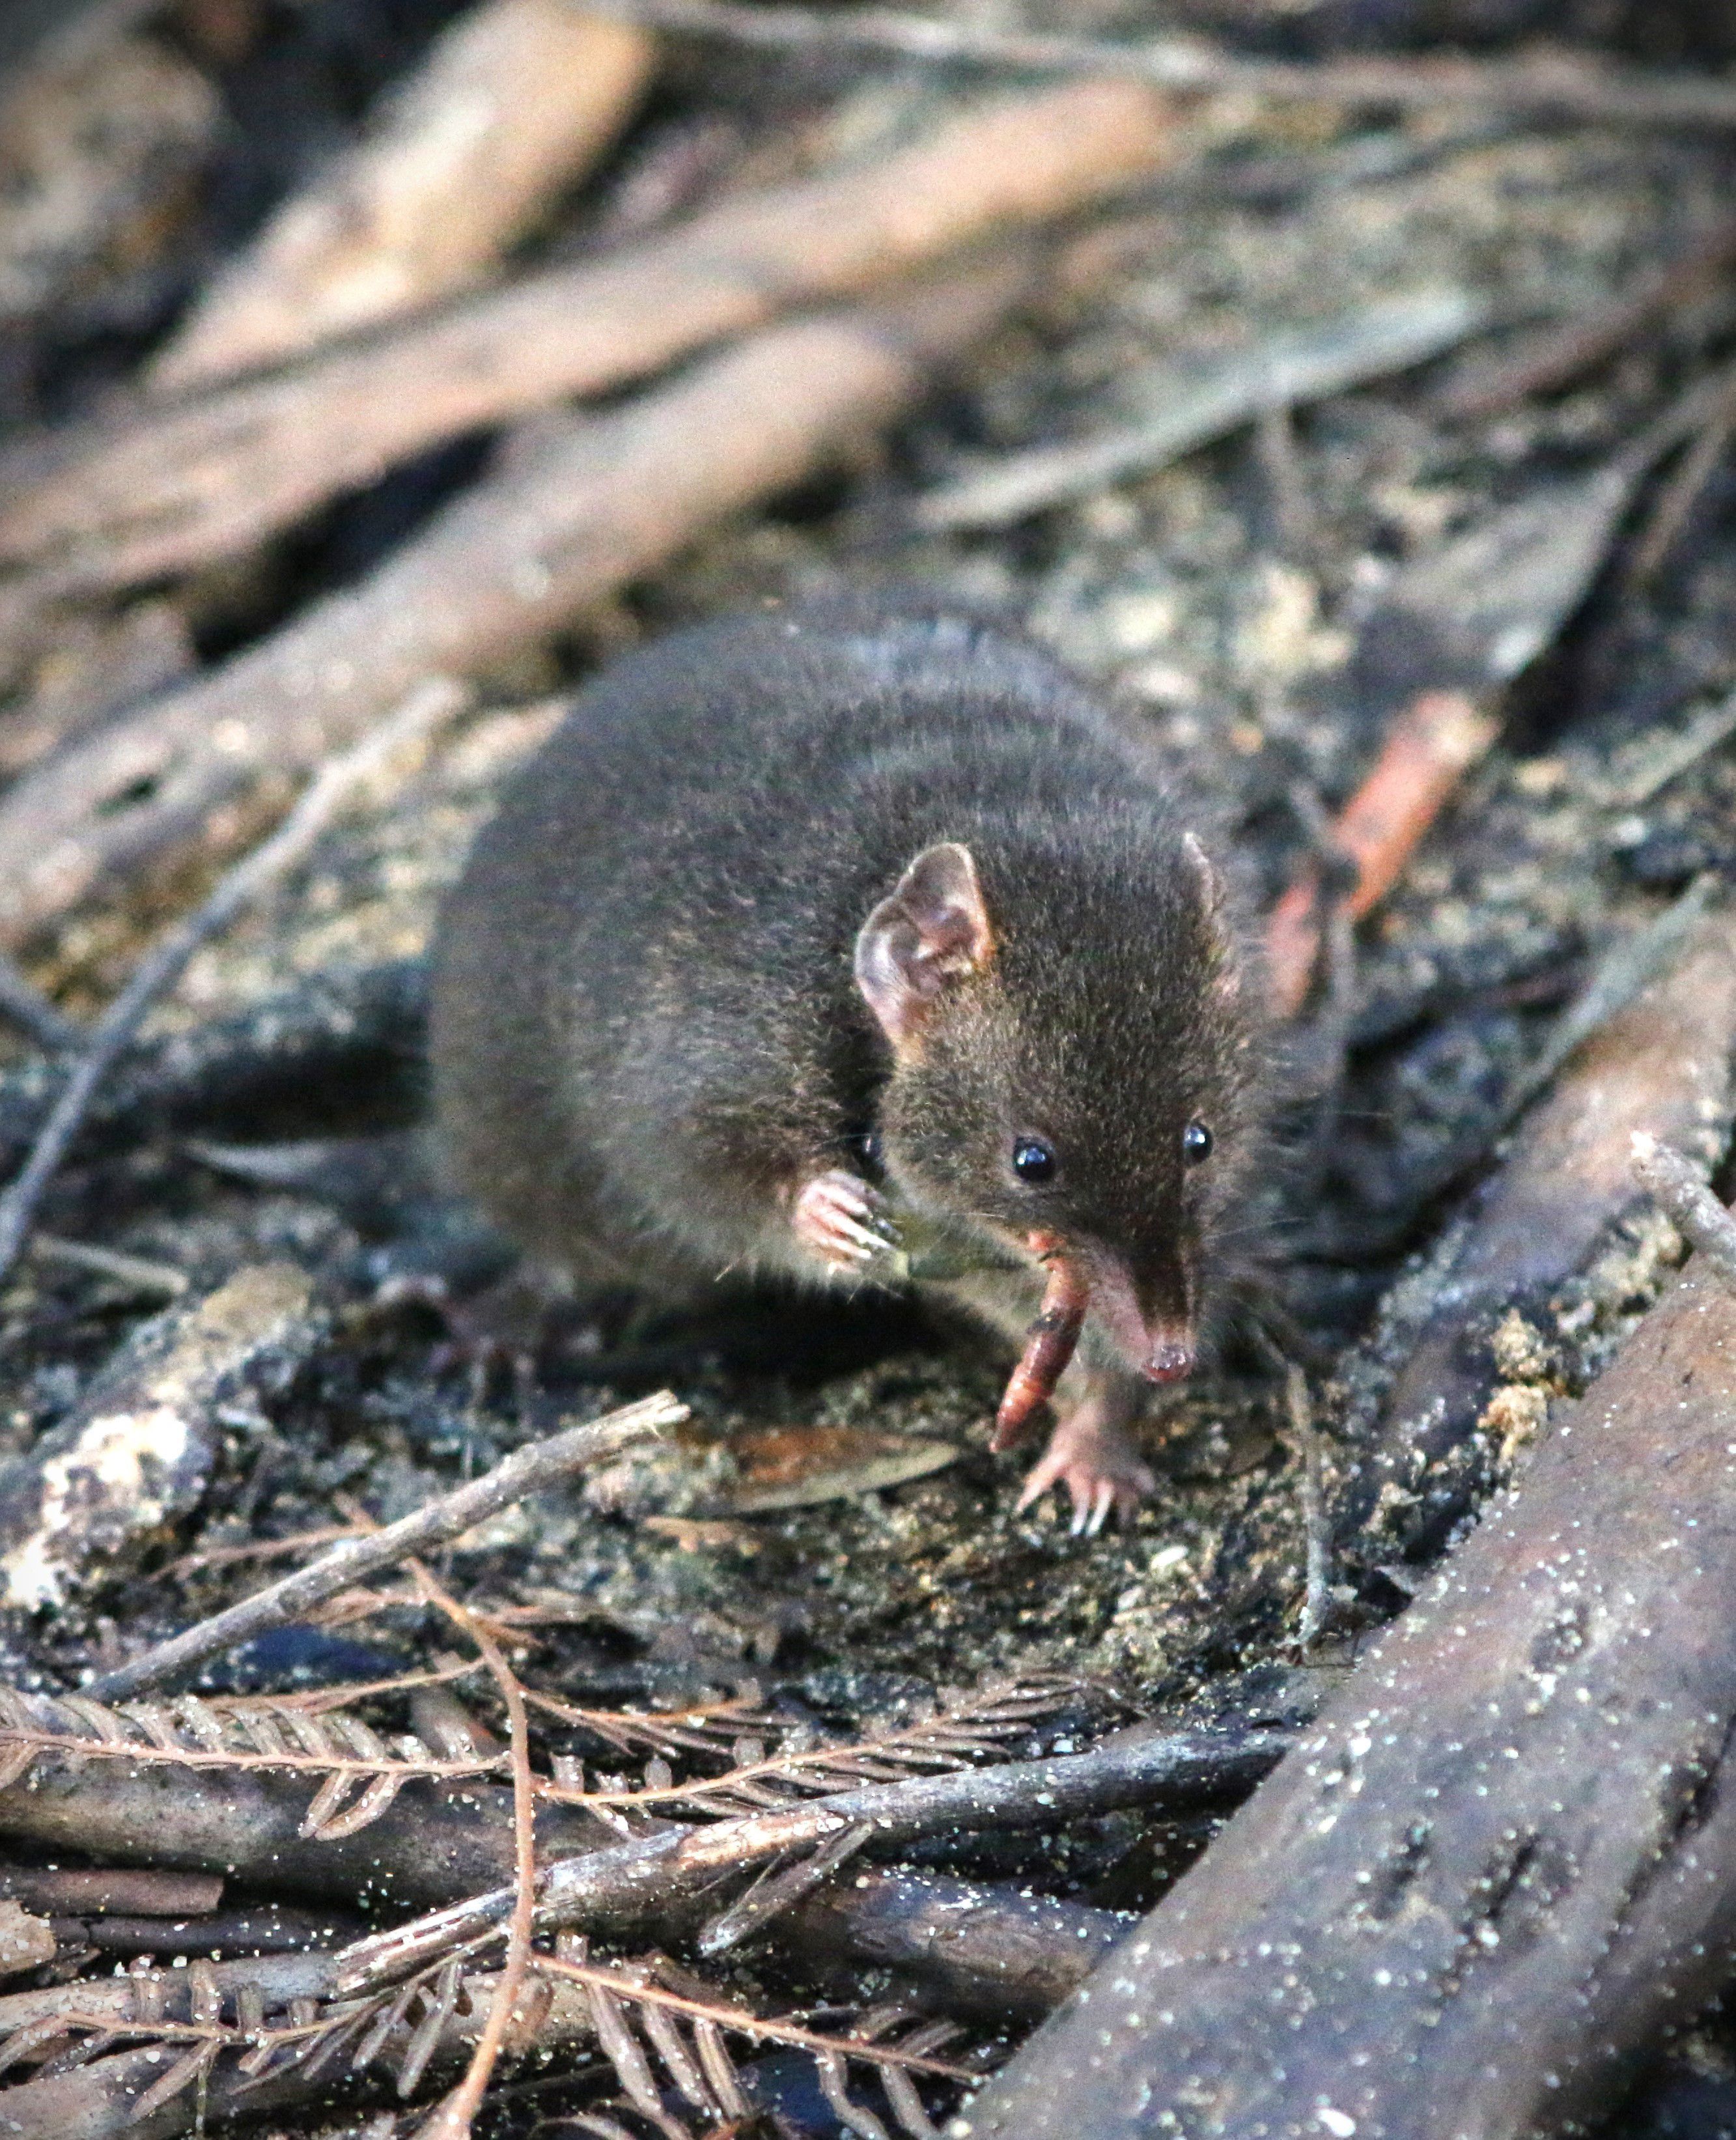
[1554, 355]
[25, 1006]
[1426, 754]
[516, 101]
[428, 709]
[1192, 404]
[167, 489]
[528, 1471]
[514, 559]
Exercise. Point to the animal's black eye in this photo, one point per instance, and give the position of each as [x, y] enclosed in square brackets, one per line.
[1196, 1143]
[1033, 1161]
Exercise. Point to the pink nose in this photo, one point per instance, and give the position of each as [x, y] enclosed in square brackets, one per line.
[1170, 1359]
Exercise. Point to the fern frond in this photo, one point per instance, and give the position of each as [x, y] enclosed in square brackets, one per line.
[358, 1774]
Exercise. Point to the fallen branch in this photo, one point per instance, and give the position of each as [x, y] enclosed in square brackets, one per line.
[1680, 1188]
[651, 1877]
[1661, 1066]
[58, 1891]
[165, 490]
[162, 966]
[433, 1847]
[513, 560]
[1504, 1863]
[528, 1470]
[1192, 404]
[515, 102]
[1427, 752]
[140, 1446]
[1556, 86]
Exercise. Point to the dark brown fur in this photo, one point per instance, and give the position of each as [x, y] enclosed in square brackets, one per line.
[646, 1029]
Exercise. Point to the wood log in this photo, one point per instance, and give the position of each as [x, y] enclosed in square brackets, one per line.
[161, 491]
[516, 101]
[513, 560]
[1663, 1065]
[1470, 1902]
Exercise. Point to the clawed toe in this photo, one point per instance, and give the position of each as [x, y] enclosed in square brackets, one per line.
[1102, 1475]
[841, 1219]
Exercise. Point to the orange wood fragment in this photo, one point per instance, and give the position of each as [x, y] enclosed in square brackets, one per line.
[1430, 747]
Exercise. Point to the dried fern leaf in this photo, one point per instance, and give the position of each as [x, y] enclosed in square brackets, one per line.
[829, 2066]
[188, 2070]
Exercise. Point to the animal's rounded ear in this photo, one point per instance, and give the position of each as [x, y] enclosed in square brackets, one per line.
[1211, 892]
[1214, 901]
[930, 933]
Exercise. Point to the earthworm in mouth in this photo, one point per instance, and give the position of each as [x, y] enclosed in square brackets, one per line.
[1049, 1345]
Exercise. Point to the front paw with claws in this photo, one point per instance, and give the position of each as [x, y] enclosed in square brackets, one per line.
[1092, 1456]
[842, 1220]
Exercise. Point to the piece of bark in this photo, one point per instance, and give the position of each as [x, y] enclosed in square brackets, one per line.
[26, 1942]
[516, 101]
[139, 1450]
[1001, 1953]
[63, 1893]
[1504, 1861]
[510, 563]
[1662, 1066]
[160, 491]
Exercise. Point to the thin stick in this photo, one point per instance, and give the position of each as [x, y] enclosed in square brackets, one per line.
[527, 1470]
[1430, 747]
[1680, 495]
[1556, 86]
[25, 1006]
[1678, 1186]
[137, 1271]
[427, 708]
[1317, 1582]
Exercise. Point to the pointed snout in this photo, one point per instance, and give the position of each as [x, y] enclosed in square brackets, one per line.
[1154, 1335]
[1170, 1357]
